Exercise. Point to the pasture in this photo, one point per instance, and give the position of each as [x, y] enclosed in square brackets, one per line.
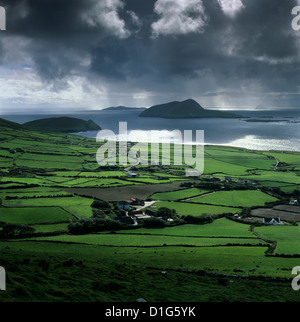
[50, 178]
[34, 215]
[235, 198]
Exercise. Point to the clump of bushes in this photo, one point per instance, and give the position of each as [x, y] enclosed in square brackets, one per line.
[154, 223]
[92, 225]
[203, 219]
[14, 230]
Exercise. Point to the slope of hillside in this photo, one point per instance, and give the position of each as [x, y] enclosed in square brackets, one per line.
[63, 124]
[11, 125]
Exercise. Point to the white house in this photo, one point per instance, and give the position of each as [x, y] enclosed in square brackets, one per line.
[272, 221]
[293, 202]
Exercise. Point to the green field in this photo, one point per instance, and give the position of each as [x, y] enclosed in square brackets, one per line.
[218, 228]
[235, 198]
[225, 259]
[286, 237]
[153, 240]
[177, 195]
[36, 215]
[195, 209]
[76, 205]
[48, 179]
[112, 277]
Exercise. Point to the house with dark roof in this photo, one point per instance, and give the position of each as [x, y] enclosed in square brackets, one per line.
[123, 205]
[136, 202]
[131, 174]
[151, 212]
[293, 202]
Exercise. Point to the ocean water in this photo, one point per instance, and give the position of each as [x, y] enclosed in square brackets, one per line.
[284, 134]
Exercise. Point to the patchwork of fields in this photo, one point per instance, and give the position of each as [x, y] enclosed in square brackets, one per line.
[49, 180]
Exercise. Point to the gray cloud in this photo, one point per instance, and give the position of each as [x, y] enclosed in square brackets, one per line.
[217, 50]
[179, 17]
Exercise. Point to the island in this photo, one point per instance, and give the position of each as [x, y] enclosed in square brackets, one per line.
[124, 108]
[63, 124]
[184, 110]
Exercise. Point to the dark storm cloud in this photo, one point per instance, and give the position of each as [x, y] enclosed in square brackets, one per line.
[255, 46]
[48, 19]
[253, 50]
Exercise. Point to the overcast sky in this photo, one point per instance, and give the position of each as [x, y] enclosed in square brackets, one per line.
[92, 54]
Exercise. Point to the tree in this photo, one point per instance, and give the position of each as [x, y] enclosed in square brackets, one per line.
[154, 223]
[203, 219]
[91, 225]
[101, 204]
[98, 213]
[166, 212]
[13, 230]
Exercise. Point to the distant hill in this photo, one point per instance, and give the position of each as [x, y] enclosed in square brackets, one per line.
[183, 110]
[11, 125]
[63, 124]
[123, 108]
[260, 107]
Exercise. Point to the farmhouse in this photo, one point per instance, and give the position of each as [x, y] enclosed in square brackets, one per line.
[245, 181]
[151, 212]
[293, 202]
[141, 217]
[123, 205]
[136, 202]
[136, 212]
[272, 221]
[132, 174]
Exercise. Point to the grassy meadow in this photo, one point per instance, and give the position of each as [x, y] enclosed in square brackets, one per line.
[50, 181]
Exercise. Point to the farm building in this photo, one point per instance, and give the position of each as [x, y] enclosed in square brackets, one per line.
[123, 205]
[132, 174]
[272, 221]
[136, 202]
[293, 202]
[140, 218]
[136, 212]
[151, 212]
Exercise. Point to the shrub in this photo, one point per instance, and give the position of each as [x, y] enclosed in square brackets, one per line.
[154, 223]
[91, 225]
[204, 219]
[101, 204]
